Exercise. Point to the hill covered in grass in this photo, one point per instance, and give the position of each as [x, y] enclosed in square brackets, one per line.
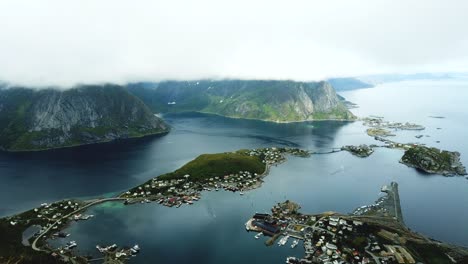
[48, 118]
[434, 160]
[217, 165]
[269, 100]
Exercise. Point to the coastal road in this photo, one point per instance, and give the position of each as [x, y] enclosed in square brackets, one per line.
[94, 202]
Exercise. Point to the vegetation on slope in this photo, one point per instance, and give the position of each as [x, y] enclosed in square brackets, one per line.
[255, 99]
[42, 119]
[217, 165]
[434, 160]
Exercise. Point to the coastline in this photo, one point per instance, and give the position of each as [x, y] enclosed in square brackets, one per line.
[265, 120]
[162, 133]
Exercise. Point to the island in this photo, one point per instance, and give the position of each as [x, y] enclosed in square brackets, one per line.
[237, 171]
[381, 132]
[381, 125]
[434, 160]
[428, 159]
[371, 234]
[362, 150]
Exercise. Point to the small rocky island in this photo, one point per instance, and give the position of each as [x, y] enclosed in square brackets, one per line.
[379, 132]
[434, 160]
[362, 151]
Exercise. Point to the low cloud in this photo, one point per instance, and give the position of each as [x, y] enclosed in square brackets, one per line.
[56, 42]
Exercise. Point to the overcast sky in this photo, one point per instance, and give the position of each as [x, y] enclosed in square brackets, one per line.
[58, 42]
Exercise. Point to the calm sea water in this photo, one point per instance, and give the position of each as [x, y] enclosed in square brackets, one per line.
[212, 230]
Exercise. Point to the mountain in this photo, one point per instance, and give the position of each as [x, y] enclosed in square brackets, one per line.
[42, 119]
[348, 83]
[279, 101]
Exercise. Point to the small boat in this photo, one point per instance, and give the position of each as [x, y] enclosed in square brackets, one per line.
[257, 236]
[135, 249]
[290, 260]
[283, 241]
[241, 193]
[294, 243]
[70, 245]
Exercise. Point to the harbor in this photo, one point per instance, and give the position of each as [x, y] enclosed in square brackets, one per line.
[372, 234]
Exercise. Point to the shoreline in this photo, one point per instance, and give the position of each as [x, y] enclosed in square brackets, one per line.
[264, 120]
[162, 133]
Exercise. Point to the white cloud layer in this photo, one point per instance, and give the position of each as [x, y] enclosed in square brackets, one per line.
[59, 42]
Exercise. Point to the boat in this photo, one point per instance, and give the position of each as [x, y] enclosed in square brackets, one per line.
[135, 249]
[71, 245]
[257, 236]
[294, 243]
[283, 241]
[241, 193]
[61, 234]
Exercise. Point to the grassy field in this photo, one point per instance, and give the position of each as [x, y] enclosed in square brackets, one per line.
[217, 165]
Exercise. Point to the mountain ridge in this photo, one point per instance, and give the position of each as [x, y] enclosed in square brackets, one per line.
[268, 100]
[49, 118]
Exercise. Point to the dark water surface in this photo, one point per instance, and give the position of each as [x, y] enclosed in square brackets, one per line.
[212, 230]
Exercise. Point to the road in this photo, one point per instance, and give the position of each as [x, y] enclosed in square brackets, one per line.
[33, 245]
[376, 259]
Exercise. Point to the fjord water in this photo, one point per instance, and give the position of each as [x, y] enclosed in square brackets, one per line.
[212, 230]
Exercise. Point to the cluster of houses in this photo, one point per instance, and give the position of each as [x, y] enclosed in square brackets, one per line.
[360, 151]
[380, 123]
[271, 156]
[175, 192]
[48, 214]
[113, 252]
[329, 239]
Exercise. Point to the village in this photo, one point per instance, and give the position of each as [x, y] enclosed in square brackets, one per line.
[179, 191]
[332, 238]
[379, 122]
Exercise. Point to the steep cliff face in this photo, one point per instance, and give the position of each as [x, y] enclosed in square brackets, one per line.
[280, 101]
[43, 119]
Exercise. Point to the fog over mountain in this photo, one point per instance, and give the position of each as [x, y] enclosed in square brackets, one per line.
[54, 42]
